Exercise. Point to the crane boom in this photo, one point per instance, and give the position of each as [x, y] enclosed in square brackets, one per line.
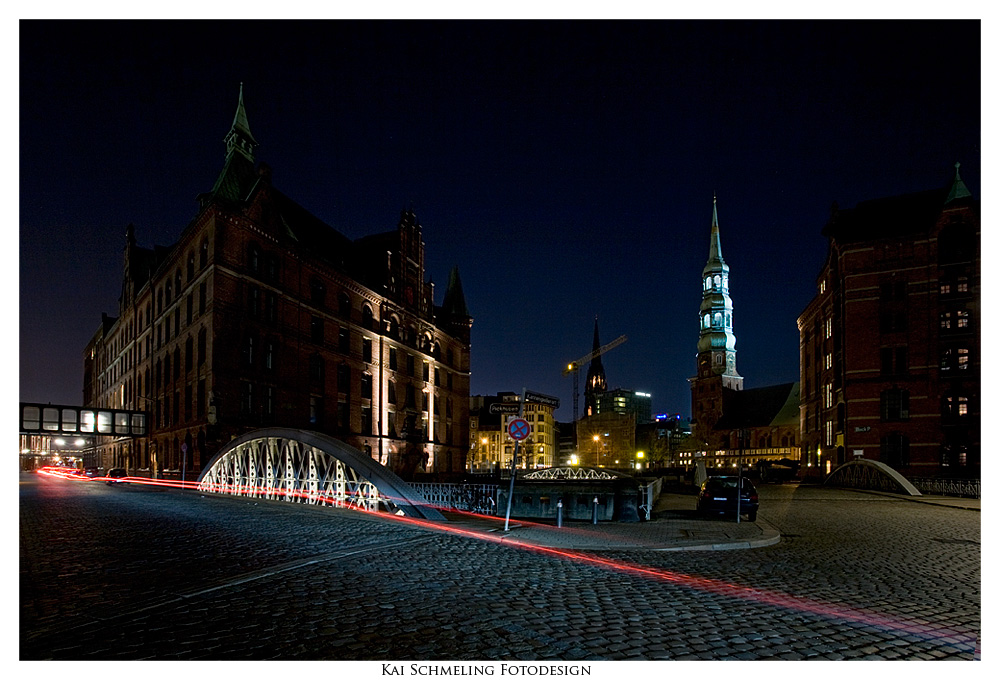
[574, 368]
[574, 365]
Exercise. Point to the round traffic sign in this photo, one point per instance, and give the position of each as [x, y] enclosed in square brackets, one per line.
[518, 428]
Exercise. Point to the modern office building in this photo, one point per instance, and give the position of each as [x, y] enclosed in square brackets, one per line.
[260, 314]
[638, 404]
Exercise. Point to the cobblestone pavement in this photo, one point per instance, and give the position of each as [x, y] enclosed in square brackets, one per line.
[138, 572]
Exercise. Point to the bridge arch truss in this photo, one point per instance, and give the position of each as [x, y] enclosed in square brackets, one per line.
[870, 474]
[309, 467]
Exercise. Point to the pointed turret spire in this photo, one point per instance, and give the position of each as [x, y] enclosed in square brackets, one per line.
[239, 137]
[716, 340]
[715, 245]
[958, 188]
[596, 380]
[454, 298]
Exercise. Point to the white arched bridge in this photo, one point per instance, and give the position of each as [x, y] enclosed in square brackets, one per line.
[309, 467]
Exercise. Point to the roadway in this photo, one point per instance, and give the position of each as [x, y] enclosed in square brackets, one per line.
[139, 572]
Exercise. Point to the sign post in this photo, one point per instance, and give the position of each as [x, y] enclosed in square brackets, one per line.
[518, 429]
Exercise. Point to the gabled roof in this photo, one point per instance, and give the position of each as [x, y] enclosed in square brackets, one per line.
[774, 406]
[895, 216]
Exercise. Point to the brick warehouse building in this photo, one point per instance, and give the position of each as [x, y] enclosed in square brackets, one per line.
[890, 345]
[262, 315]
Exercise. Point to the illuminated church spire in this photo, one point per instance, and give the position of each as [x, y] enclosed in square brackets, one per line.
[716, 340]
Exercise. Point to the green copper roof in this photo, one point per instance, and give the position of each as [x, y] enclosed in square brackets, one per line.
[958, 188]
[715, 247]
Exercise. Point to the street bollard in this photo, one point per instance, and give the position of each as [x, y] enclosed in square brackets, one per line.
[595, 509]
[559, 513]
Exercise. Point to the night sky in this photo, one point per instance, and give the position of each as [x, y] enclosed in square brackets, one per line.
[566, 168]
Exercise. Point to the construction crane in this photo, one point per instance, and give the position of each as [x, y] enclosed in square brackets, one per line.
[574, 368]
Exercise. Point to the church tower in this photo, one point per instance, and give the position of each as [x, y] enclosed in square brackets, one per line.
[597, 383]
[716, 341]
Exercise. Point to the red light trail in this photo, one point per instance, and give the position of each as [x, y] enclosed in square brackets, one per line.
[918, 627]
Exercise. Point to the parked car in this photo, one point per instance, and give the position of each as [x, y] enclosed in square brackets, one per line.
[784, 470]
[91, 472]
[116, 476]
[718, 496]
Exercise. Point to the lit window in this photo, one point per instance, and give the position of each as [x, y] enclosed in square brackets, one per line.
[962, 319]
[963, 358]
[828, 361]
[963, 406]
[945, 320]
[828, 329]
[945, 288]
[963, 285]
[822, 286]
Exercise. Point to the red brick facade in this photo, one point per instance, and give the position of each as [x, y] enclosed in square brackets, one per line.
[261, 315]
[890, 347]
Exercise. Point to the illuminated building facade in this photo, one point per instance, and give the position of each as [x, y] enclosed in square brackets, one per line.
[729, 423]
[489, 444]
[607, 440]
[890, 345]
[262, 315]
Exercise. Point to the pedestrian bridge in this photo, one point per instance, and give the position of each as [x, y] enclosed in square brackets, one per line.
[870, 474]
[309, 467]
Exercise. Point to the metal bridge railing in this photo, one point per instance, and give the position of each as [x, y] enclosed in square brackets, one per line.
[478, 498]
[966, 488]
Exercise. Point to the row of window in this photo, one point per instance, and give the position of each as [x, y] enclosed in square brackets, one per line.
[172, 410]
[318, 298]
[719, 282]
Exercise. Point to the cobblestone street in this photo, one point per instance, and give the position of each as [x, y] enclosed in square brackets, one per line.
[139, 572]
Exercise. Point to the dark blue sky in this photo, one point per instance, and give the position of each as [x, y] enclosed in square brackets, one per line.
[566, 168]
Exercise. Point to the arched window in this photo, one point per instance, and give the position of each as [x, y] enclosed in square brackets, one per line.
[708, 283]
[316, 370]
[367, 318]
[344, 305]
[253, 258]
[203, 262]
[718, 281]
[317, 292]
